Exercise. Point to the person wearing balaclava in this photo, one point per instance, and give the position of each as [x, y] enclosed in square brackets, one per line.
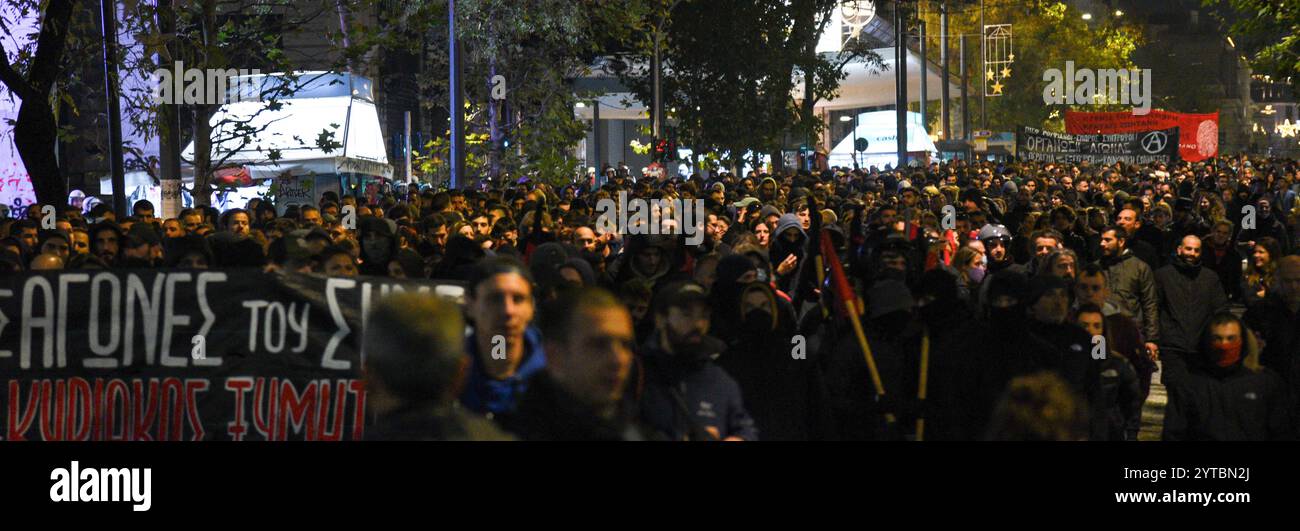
[378, 244]
[858, 414]
[1188, 295]
[1225, 396]
[786, 251]
[784, 394]
[734, 272]
[993, 351]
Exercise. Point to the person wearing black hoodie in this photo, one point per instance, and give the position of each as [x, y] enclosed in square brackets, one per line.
[378, 244]
[995, 351]
[781, 389]
[1189, 295]
[1222, 399]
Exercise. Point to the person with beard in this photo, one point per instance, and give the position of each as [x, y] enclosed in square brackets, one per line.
[995, 351]
[1221, 256]
[106, 241]
[580, 395]
[378, 244]
[687, 396]
[1221, 398]
[1142, 240]
[784, 394]
[1133, 285]
[1189, 295]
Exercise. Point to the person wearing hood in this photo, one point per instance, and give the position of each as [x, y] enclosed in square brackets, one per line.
[734, 272]
[993, 352]
[378, 244]
[786, 250]
[1266, 224]
[687, 396]
[783, 393]
[1189, 295]
[647, 257]
[1224, 398]
[504, 349]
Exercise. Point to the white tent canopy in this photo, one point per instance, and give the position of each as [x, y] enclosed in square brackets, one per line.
[292, 129]
[880, 130]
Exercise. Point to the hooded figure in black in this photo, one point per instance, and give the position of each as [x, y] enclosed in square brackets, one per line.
[734, 272]
[858, 413]
[787, 240]
[783, 393]
[1222, 398]
[941, 315]
[378, 244]
[994, 351]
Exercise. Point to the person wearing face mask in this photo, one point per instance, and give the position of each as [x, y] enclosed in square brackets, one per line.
[1189, 295]
[784, 394]
[995, 350]
[378, 244]
[888, 324]
[687, 396]
[1225, 396]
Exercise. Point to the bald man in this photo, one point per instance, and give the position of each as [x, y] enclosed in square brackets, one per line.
[1188, 294]
[1276, 318]
[46, 262]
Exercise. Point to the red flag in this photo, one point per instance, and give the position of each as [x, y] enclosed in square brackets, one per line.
[840, 287]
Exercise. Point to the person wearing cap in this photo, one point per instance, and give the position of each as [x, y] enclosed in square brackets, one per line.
[55, 242]
[687, 396]
[505, 350]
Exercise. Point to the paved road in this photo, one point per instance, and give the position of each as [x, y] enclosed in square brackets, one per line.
[1153, 412]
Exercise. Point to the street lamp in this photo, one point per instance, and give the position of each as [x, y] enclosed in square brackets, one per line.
[1119, 13]
[1087, 16]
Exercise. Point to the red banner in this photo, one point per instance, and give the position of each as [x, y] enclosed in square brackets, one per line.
[1198, 133]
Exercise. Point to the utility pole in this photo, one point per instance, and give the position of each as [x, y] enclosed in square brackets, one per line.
[108, 9]
[944, 109]
[169, 126]
[925, 75]
[457, 109]
[900, 74]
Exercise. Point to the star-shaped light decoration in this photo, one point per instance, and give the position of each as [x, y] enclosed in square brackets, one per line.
[989, 74]
[997, 88]
[1011, 56]
[1006, 72]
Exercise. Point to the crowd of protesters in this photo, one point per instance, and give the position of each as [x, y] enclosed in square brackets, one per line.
[996, 300]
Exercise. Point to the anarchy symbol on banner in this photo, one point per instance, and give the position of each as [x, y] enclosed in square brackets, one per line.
[1155, 142]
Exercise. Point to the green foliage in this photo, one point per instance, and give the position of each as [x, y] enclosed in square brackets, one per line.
[1045, 35]
[1268, 31]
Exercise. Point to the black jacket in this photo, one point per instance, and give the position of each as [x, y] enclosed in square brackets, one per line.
[1280, 330]
[1189, 296]
[1115, 401]
[547, 412]
[1227, 267]
[420, 422]
[1233, 404]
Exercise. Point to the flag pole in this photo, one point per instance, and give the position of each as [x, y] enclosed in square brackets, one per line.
[925, 374]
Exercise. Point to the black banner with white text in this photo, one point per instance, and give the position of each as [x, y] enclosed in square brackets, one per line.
[185, 355]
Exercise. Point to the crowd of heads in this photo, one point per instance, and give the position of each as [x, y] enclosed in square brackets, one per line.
[979, 243]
